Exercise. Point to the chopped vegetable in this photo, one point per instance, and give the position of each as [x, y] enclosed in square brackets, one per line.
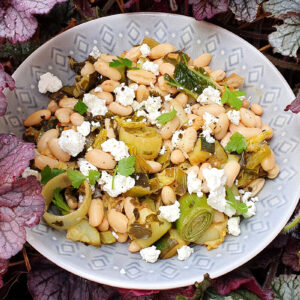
[84, 84]
[150, 42]
[107, 237]
[47, 174]
[100, 138]
[75, 65]
[76, 178]
[237, 143]
[176, 57]
[232, 98]
[208, 147]
[59, 202]
[254, 159]
[166, 117]
[254, 142]
[80, 107]
[197, 155]
[122, 62]
[123, 123]
[93, 176]
[238, 206]
[220, 156]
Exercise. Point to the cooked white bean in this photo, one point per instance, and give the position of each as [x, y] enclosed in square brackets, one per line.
[108, 97]
[204, 188]
[107, 57]
[203, 60]
[234, 80]
[161, 50]
[104, 226]
[269, 162]
[169, 128]
[67, 102]
[109, 85]
[177, 157]
[52, 106]
[122, 237]
[255, 186]
[194, 168]
[104, 69]
[134, 247]
[120, 110]
[41, 161]
[63, 115]
[57, 151]
[217, 75]
[213, 109]
[188, 140]
[182, 98]
[117, 221]
[266, 127]
[154, 165]
[110, 131]
[129, 207]
[142, 93]
[226, 139]
[42, 143]
[133, 54]
[167, 68]
[246, 103]
[258, 121]
[221, 127]
[141, 76]
[231, 169]
[218, 217]
[37, 117]
[248, 118]
[76, 119]
[273, 173]
[96, 212]
[257, 109]
[87, 69]
[168, 196]
[164, 86]
[245, 131]
[100, 159]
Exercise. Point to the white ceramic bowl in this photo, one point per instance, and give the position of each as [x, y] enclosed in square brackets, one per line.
[263, 83]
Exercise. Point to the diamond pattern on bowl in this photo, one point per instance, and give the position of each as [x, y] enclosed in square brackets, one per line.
[169, 270]
[202, 262]
[66, 248]
[133, 270]
[99, 262]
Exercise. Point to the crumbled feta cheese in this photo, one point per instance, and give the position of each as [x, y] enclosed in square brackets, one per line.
[96, 106]
[151, 66]
[194, 184]
[134, 86]
[49, 83]
[114, 234]
[152, 85]
[95, 53]
[209, 118]
[206, 133]
[162, 150]
[246, 196]
[168, 97]
[124, 94]
[121, 185]
[122, 271]
[184, 252]
[145, 50]
[98, 89]
[233, 226]
[117, 149]
[188, 109]
[71, 142]
[29, 172]
[170, 212]
[85, 166]
[210, 95]
[152, 106]
[190, 122]
[150, 254]
[84, 128]
[251, 210]
[241, 191]
[80, 198]
[176, 138]
[255, 199]
[95, 124]
[206, 130]
[234, 116]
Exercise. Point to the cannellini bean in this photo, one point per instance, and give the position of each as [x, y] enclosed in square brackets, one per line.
[36, 117]
[141, 76]
[204, 188]
[117, 221]
[109, 85]
[221, 127]
[257, 109]
[167, 68]
[177, 157]
[104, 226]
[133, 54]
[118, 109]
[108, 97]
[231, 169]
[107, 57]
[234, 80]
[52, 106]
[198, 122]
[255, 186]
[213, 109]
[42, 144]
[164, 86]
[57, 151]
[104, 69]
[169, 128]
[110, 131]
[247, 117]
[258, 121]
[129, 207]
[218, 217]
[246, 103]
[207, 69]
[142, 93]
[72, 203]
[203, 60]
[182, 98]
[158, 90]
[245, 131]
[273, 173]
[122, 237]
[87, 69]
[269, 162]
[96, 212]
[188, 140]
[63, 115]
[266, 127]
[76, 119]
[168, 144]
[217, 75]
[100, 159]
[68, 102]
[161, 50]
[41, 161]
[226, 139]
[154, 165]
[134, 247]
[194, 168]
[158, 61]
[168, 196]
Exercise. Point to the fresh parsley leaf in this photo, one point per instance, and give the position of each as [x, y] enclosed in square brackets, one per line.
[166, 117]
[237, 143]
[93, 176]
[76, 177]
[59, 202]
[120, 62]
[239, 206]
[125, 167]
[231, 97]
[80, 107]
[47, 173]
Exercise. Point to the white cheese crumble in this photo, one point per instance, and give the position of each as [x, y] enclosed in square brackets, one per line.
[162, 150]
[210, 95]
[84, 128]
[29, 172]
[251, 210]
[95, 53]
[168, 98]
[98, 89]
[176, 138]
[145, 50]
[206, 130]
[234, 116]
[194, 184]
[233, 226]
[85, 166]
[124, 94]
[152, 106]
[95, 124]
[49, 83]
[190, 122]
[184, 252]
[150, 254]
[114, 234]
[117, 149]
[121, 184]
[71, 142]
[151, 66]
[188, 109]
[170, 212]
[96, 106]
[122, 271]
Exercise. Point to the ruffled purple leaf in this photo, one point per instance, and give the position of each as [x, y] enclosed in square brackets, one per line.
[295, 105]
[35, 6]
[129, 3]
[48, 281]
[206, 9]
[290, 256]
[3, 269]
[6, 81]
[244, 10]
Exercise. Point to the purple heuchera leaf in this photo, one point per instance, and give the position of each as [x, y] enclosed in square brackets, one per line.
[48, 281]
[17, 22]
[6, 81]
[290, 257]
[3, 269]
[244, 10]
[295, 105]
[206, 9]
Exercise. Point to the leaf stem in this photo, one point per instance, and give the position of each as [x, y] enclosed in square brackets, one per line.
[113, 179]
[292, 225]
[265, 48]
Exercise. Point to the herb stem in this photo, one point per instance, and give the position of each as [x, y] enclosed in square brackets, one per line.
[113, 179]
[290, 226]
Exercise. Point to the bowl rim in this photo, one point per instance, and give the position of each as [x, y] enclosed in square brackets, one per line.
[130, 284]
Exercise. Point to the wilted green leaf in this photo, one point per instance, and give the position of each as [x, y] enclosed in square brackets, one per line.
[286, 287]
[279, 8]
[239, 294]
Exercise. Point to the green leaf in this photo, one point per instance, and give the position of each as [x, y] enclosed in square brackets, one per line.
[286, 287]
[239, 206]
[80, 107]
[116, 63]
[237, 143]
[76, 177]
[231, 97]
[240, 294]
[47, 173]
[125, 167]
[165, 118]
[18, 51]
[94, 175]
[59, 202]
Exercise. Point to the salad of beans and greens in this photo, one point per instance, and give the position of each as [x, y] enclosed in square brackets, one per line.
[150, 147]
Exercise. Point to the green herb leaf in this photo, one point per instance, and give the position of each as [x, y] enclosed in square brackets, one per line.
[76, 177]
[80, 107]
[239, 206]
[116, 63]
[125, 167]
[47, 173]
[184, 58]
[165, 118]
[59, 202]
[237, 143]
[93, 176]
[231, 97]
